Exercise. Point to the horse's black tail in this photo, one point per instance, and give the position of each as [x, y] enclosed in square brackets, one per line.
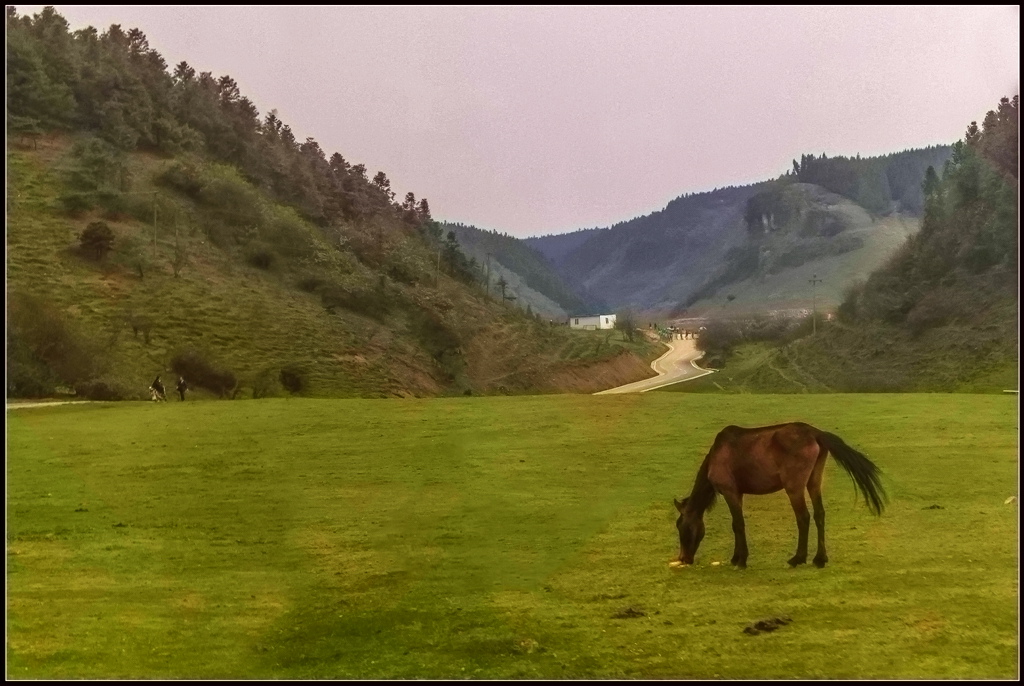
[865, 474]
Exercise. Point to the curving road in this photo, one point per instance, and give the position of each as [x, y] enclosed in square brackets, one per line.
[678, 364]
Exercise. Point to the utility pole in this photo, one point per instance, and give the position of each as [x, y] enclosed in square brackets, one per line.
[814, 281]
[154, 225]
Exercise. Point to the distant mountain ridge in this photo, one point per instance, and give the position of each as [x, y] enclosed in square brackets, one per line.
[528, 275]
[683, 254]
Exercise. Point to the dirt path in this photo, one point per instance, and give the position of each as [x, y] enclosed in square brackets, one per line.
[23, 404]
[676, 365]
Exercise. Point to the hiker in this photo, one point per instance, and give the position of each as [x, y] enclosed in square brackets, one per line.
[182, 387]
[157, 389]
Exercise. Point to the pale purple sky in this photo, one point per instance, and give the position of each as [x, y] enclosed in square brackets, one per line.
[533, 120]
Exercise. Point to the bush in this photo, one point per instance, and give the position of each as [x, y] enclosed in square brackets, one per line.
[311, 283]
[293, 379]
[110, 388]
[184, 176]
[199, 372]
[97, 240]
[441, 341]
[933, 310]
[114, 203]
[27, 375]
[235, 202]
[261, 256]
[265, 384]
[46, 348]
[76, 203]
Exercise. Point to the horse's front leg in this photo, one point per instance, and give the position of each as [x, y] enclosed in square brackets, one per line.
[803, 524]
[740, 552]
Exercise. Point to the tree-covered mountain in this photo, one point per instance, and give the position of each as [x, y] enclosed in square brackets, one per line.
[156, 223]
[655, 260]
[845, 215]
[521, 270]
[963, 264]
[942, 314]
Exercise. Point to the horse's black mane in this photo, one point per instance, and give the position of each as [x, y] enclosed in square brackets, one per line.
[702, 497]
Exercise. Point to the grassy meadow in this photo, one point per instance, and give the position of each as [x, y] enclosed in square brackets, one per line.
[499, 537]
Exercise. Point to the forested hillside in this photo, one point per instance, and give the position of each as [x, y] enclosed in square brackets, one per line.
[158, 224]
[942, 313]
[844, 215]
[658, 259]
[520, 270]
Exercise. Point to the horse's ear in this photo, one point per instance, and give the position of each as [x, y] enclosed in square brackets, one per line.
[680, 504]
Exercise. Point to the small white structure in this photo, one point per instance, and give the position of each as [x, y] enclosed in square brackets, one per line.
[593, 322]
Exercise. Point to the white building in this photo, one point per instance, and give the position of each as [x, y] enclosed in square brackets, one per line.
[594, 322]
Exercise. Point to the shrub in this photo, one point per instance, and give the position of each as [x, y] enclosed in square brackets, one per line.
[217, 231]
[311, 283]
[934, 309]
[76, 203]
[27, 375]
[441, 341]
[110, 388]
[261, 256]
[235, 202]
[97, 239]
[199, 372]
[293, 379]
[46, 347]
[266, 384]
[114, 203]
[184, 176]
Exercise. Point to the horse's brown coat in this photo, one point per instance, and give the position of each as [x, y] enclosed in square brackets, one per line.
[764, 460]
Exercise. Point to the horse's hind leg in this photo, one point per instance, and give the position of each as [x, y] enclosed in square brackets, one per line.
[803, 524]
[814, 490]
[740, 552]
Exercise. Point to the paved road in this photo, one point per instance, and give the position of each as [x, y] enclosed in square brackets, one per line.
[678, 364]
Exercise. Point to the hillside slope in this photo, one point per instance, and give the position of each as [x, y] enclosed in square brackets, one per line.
[325, 326]
[826, 237]
[683, 254]
[156, 224]
[655, 261]
[942, 314]
[527, 274]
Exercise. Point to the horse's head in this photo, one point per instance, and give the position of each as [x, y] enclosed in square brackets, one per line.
[691, 530]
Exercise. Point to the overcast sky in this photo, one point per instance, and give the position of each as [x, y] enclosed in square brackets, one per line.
[548, 119]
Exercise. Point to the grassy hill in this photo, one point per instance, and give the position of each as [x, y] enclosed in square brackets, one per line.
[156, 224]
[830, 237]
[497, 538]
[327, 320]
[941, 314]
[655, 261]
[848, 214]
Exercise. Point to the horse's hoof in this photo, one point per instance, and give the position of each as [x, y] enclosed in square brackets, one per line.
[793, 562]
[820, 562]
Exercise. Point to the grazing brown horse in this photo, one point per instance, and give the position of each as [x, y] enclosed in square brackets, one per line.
[765, 460]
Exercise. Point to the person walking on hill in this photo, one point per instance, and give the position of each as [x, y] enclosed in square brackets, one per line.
[157, 389]
[181, 387]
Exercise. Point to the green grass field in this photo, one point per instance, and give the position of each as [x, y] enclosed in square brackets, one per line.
[497, 538]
